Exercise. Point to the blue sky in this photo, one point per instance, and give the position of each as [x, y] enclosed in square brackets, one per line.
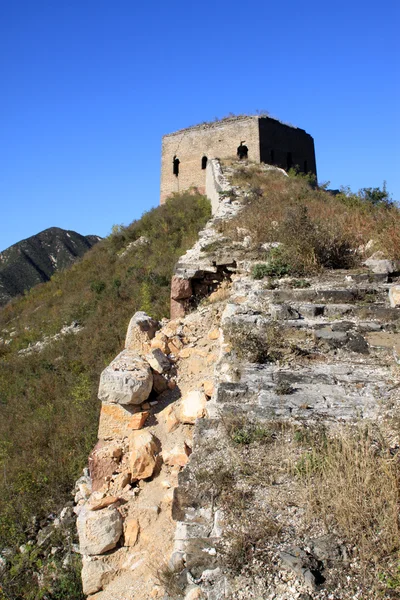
[89, 87]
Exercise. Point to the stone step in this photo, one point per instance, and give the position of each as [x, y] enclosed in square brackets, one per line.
[348, 295]
[325, 392]
[366, 312]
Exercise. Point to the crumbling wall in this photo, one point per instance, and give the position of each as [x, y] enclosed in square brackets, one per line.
[186, 153]
[219, 139]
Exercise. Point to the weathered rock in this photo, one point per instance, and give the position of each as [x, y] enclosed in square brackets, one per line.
[171, 419]
[127, 380]
[180, 288]
[283, 312]
[178, 456]
[115, 420]
[394, 296]
[158, 361]
[193, 406]
[131, 532]
[141, 330]
[378, 264]
[94, 575]
[99, 531]
[304, 565]
[175, 344]
[119, 481]
[195, 593]
[103, 461]
[213, 334]
[177, 309]
[138, 420]
[208, 387]
[143, 447]
[160, 342]
[98, 504]
[185, 352]
[160, 383]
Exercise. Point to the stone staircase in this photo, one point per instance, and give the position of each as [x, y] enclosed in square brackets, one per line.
[340, 366]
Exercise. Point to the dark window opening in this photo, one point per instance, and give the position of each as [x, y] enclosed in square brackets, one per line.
[175, 170]
[242, 151]
[289, 161]
[204, 162]
[272, 157]
[305, 167]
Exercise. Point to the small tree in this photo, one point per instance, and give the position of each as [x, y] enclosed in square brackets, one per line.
[376, 196]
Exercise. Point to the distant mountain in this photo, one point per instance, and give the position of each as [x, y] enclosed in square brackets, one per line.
[35, 259]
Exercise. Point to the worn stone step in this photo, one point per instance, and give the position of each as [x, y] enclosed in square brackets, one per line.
[324, 392]
[324, 296]
[366, 312]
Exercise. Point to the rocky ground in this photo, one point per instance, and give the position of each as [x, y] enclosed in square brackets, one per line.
[215, 472]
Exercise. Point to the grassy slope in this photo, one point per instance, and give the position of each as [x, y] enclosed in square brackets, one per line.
[316, 228]
[48, 400]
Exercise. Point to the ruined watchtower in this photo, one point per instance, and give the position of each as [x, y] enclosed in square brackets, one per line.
[185, 153]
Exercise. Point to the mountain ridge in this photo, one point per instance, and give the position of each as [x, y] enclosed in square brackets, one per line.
[35, 259]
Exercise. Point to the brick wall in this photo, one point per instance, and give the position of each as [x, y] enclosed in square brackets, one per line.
[267, 141]
[215, 140]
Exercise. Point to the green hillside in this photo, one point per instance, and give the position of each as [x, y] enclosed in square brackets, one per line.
[48, 398]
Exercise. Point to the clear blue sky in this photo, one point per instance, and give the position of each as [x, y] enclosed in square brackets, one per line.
[89, 87]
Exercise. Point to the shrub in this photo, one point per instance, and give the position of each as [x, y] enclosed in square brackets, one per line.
[317, 229]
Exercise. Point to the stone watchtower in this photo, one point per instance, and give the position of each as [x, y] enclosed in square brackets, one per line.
[261, 139]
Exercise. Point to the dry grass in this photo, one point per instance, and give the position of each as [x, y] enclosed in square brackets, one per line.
[316, 229]
[259, 345]
[221, 294]
[351, 481]
[168, 580]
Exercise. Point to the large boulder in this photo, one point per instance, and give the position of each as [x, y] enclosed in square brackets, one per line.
[143, 447]
[99, 531]
[95, 575]
[141, 330]
[127, 380]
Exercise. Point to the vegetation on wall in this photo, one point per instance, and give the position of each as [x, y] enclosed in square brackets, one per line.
[316, 228]
[48, 398]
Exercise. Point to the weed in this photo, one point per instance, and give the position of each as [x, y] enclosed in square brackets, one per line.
[276, 267]
[300, 283]
[169, 580]
[284, 388]
[351, 481]
[256, 345]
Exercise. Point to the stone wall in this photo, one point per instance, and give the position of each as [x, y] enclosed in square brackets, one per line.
[285, 146]
[267, 140]
[217, 140]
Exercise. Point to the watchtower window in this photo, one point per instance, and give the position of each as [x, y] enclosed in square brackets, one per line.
[305, 167]
[242, 151]
[175, 169]
[204, 162]
[289, 161]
